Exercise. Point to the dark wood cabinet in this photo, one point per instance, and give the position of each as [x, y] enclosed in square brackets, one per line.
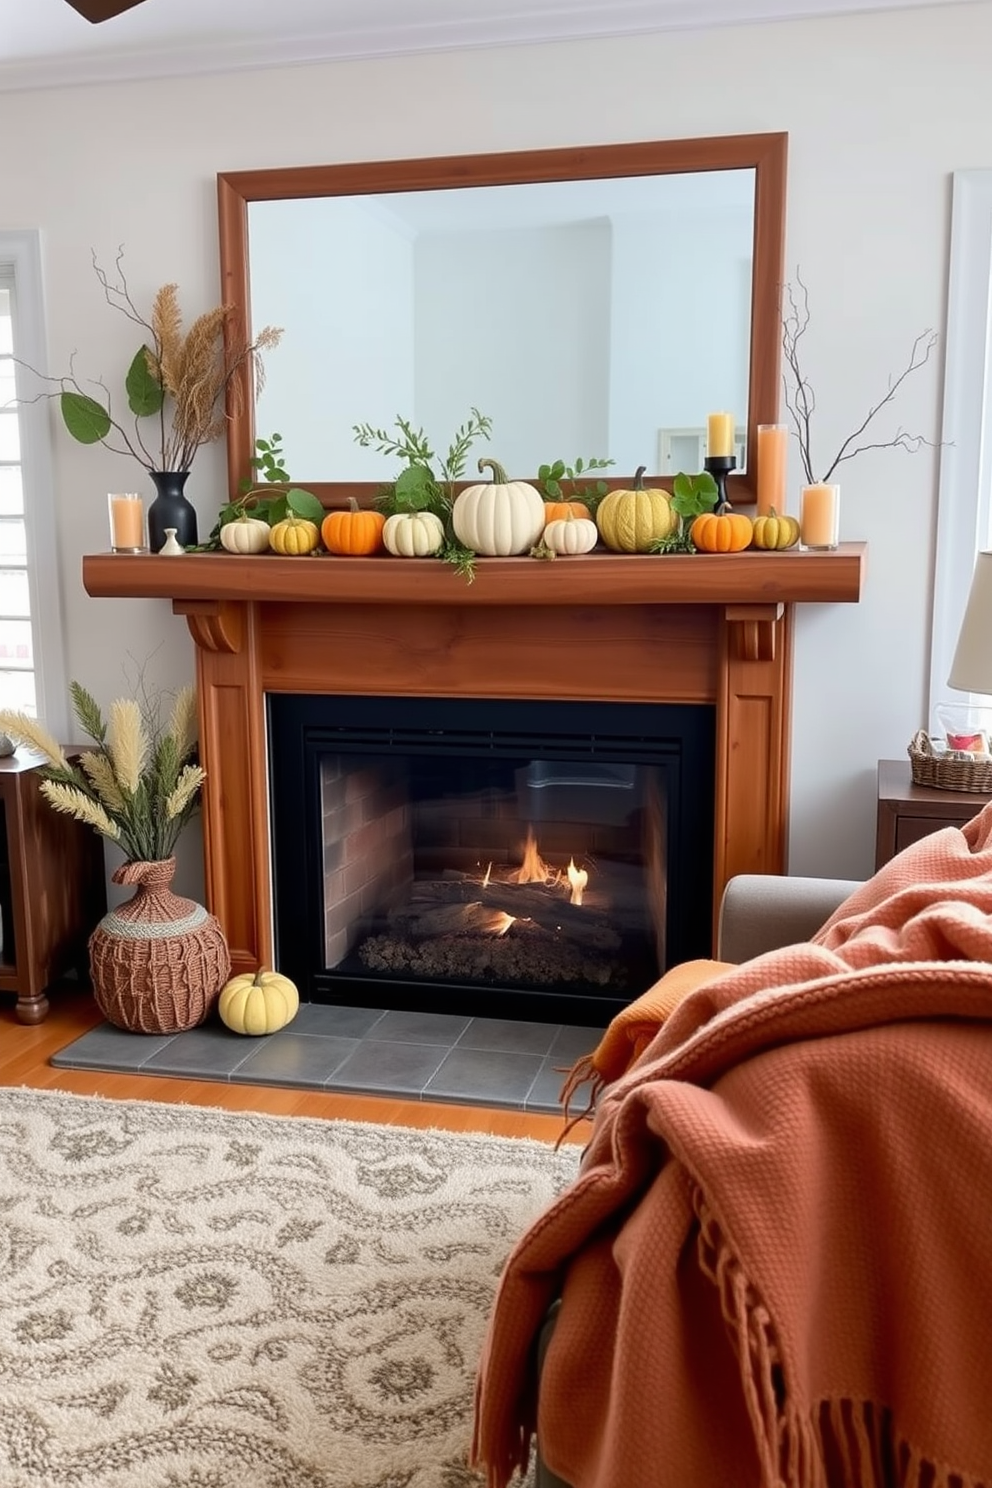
[52, 888]
[907, 812]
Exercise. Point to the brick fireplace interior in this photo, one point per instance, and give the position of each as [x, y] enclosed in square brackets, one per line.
[539, 860]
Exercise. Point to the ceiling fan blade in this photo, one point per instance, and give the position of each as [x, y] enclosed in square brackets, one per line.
[102, 10]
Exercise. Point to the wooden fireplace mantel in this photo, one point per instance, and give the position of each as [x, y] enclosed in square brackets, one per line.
[710, 629]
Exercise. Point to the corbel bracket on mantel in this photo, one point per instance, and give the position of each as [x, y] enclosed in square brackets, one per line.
[753, 629]
[214, 624]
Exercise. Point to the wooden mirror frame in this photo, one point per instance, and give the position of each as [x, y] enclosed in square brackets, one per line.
[765, 153]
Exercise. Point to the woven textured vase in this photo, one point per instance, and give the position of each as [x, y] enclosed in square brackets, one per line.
[158, 962]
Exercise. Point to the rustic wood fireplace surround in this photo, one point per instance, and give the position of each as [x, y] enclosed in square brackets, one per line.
[605, 627]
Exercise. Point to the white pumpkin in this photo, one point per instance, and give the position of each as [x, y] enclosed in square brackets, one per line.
[498, 518]
[413, 534]
[245, 535]
[571, 535]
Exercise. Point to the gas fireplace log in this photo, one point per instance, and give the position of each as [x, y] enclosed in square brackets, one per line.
[548, 907]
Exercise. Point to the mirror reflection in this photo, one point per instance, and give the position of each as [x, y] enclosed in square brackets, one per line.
[585, 317]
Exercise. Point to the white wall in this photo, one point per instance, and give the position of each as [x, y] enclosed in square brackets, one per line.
[550, 395]
[353, 342]
[880, 109]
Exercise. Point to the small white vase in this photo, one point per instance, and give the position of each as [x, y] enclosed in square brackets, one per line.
[170, 547]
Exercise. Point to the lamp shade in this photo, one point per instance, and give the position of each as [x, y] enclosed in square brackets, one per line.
[971, 669]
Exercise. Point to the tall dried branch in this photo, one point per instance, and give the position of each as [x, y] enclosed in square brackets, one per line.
[800, 399]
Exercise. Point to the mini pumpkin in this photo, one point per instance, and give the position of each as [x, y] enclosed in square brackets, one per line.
[499, 517]
[413, 534]
[773, 533]
[571, 534]
[555, 511]
[722, 531]
[258, 1003]
[353, 533]
[294, 536]
[246, 534]
[629, 521]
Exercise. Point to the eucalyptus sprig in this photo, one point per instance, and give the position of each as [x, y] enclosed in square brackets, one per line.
[561, 482]
[692, 495]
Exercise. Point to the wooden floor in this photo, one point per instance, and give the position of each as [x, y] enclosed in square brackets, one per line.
[25, 1052]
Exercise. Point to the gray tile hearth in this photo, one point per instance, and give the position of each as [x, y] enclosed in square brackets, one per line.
[420, 1056]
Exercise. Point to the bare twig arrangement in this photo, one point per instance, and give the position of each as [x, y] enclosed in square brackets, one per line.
[800, 400]
[188, 382]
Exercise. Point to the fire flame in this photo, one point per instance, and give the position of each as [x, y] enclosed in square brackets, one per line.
[533, 869]
[502, 927]
[578, 878]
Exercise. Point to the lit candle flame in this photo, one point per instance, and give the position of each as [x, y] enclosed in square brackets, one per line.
[578, 878]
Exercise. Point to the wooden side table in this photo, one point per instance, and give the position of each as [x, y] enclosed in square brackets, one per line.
[907, 812]
[53, 888]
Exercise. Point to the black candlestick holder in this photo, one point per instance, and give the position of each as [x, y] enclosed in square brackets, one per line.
[719, 467]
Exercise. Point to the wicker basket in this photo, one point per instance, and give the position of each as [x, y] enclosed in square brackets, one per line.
[157, 962]
[956, 770]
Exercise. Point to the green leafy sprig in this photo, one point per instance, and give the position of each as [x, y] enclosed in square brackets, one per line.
[692, 495]
[421, 486]
[561, 482]
[271, 502]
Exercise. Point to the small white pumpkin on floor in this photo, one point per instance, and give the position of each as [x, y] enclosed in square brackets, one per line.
[258, 1004]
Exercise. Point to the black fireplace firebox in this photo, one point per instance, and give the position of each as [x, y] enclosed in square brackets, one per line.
[495, 858]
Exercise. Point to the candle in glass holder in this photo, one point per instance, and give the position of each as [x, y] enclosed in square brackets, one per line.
[720, 434]
[127, 522]
[773, 448]
[819, 515]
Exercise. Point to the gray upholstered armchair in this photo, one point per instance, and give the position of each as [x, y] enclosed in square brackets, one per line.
[758, 913]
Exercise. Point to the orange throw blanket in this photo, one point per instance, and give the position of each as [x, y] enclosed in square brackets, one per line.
[776, 1262]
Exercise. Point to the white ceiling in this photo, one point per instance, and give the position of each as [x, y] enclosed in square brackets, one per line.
[45, 43]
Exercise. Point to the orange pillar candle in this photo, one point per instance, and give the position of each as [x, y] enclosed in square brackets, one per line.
[773, 448]
[819, 515]
[720, 434]
[127, 522]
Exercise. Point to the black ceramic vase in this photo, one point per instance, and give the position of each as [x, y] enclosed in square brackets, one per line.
[170, 509]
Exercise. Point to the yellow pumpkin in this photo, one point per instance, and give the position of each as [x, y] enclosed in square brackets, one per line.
[258, 1004]
[773, 533]
[630, 521]
[722, 531]
[294, 536]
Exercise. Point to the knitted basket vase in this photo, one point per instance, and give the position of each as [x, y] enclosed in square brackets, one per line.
[158, 962]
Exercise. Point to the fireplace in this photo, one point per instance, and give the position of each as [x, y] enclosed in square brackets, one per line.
[611, 629]
[537, 860]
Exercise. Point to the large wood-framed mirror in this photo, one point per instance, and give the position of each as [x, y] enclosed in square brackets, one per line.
[592, 301]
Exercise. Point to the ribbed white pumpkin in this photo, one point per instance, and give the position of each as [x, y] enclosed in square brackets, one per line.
[258, 1004]
[413, 534]
[498, 518]
[245, 535]
[571, 534]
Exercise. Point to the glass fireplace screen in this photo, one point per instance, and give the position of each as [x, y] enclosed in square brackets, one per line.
[499, 858]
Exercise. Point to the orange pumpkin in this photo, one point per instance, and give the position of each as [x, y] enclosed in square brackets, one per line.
[558, 511]
[722, 531]
[353, 532]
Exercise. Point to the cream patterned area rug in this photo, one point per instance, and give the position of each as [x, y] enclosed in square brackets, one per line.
[193, 1298]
